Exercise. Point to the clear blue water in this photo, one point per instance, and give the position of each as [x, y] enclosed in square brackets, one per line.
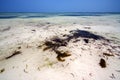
[43, 15]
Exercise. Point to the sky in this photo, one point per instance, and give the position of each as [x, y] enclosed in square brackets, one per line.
[59, 5]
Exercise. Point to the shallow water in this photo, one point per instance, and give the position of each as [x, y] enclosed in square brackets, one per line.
[41, 15]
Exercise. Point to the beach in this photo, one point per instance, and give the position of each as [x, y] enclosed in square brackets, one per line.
[60, 47]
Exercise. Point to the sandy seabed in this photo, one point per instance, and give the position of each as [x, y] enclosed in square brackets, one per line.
[60, 48]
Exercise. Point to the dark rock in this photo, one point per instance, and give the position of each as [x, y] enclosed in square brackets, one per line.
[102, 63]
[86, 40]
[2, 70]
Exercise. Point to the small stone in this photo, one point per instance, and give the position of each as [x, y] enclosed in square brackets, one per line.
[86, 40]
[102, 63]
[2, 70]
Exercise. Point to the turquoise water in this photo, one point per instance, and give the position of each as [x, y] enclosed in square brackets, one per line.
[45, 15]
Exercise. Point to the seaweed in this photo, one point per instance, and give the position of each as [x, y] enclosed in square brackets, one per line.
[51, 45]
[74, 34]
[102, 63]
[61, 55]
[76, 41]
[19, 47]
[14, 53]
[87, 27]
[84, 34]
[106, 54]
[55, 43]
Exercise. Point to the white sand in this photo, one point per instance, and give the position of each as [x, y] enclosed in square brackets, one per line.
[35, 64]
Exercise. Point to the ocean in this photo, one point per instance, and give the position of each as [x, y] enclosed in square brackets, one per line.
[46, 15]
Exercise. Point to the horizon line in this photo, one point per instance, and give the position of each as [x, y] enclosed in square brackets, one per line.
[57, 12]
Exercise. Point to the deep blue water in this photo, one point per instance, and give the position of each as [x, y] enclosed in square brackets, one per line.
[45, 15]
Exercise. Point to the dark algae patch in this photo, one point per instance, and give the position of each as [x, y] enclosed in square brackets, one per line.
[14, 54]
[19, 47]
[102, 63]
[61, 55]
[56, 42]
[84, 34]
[107, 54]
